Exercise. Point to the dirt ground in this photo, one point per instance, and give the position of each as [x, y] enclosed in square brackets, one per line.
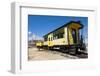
[35, 54]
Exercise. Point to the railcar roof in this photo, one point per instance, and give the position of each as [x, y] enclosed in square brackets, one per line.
[78, 22]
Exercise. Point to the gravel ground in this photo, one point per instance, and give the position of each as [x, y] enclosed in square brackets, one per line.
[35, 54]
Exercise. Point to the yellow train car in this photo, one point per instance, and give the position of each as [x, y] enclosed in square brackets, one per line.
[65, 37]
[39, 43]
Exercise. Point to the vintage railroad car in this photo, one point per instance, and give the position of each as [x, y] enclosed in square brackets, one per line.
[67, 38]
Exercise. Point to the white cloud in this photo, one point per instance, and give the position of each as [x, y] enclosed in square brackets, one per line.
[29, 32]
[29, 38]
[34, 37]
[39, 38]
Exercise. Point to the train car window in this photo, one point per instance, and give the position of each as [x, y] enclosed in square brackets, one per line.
[45, 39]
[49, 39]
[56, 37]
[61, 35]
[53, 38]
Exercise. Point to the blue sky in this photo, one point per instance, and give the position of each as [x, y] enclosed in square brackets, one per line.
[43, 24]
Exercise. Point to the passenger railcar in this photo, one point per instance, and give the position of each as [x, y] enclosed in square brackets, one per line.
[67, 38]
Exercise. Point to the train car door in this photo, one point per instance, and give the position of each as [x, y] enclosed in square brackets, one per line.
[50, 42]
[74, 35]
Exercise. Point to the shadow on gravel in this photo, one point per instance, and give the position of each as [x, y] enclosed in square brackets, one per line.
[79, 54]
